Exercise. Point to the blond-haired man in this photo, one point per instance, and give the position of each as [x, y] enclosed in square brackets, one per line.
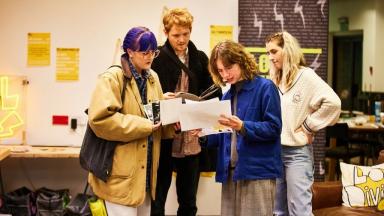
[181, 67]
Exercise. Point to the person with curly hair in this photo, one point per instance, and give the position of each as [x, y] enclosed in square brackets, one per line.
[249, 159]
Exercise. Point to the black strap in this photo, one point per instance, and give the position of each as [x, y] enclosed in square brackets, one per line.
[86, 188]
[177, 61]
[209, 91]
[123, 91]
[125, 80]
[115, 66]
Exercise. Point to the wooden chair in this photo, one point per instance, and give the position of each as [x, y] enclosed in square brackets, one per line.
[340, 148]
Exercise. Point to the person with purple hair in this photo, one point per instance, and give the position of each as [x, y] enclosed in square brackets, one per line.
[132, 181]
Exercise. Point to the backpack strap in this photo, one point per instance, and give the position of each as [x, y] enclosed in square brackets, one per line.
[125, 81]
[115, 66]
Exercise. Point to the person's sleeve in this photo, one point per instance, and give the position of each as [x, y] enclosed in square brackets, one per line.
[326, 106]
[269, 128]
[167, 131]
[105, 119]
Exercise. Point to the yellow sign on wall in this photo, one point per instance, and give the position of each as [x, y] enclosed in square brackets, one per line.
[263, 60]
[39, 49]
[220, 33]
[67, 64]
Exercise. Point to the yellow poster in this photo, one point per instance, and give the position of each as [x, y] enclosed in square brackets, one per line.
[67, 64]
[39, 47]
[220, 33]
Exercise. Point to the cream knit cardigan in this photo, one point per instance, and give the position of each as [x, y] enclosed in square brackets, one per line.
[309, 103]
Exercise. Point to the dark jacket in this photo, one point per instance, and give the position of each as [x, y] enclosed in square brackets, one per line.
[169, 71]
[199, 80]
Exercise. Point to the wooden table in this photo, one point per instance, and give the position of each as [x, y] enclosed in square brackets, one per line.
[373, 133]
[26, 151]
[367, 128]
[4, 153]
[43, 152]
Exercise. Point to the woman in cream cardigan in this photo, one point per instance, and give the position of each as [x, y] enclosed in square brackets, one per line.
[308, 104]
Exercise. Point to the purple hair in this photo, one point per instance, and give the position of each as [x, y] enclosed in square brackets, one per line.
[139, 39]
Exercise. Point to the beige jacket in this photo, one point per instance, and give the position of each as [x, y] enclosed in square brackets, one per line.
[126, 185]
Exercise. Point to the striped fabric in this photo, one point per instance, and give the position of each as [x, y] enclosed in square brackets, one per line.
[248, 197]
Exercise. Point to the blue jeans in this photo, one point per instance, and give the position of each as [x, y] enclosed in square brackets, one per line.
[293, 190]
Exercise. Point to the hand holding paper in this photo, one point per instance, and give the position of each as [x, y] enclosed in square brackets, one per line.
[231, 121]
[170, 110]
[169, 95]
[193, 115]
[205, 115]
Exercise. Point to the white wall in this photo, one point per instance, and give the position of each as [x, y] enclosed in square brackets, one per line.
[364, 15]
[93, 26]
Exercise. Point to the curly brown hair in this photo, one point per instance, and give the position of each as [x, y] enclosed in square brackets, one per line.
[230, 52]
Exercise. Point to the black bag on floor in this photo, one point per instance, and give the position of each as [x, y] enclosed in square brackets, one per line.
[51, 202]
[20, 202]
[79, 206]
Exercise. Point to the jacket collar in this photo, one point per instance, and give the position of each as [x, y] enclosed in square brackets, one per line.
[191, 47]
[127, 71]
[247, 85]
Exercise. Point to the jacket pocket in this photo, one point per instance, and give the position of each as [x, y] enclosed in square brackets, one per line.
[251, 114]
[125, 160]
[119, 187]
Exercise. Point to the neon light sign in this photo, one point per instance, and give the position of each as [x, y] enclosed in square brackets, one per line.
[10, 119]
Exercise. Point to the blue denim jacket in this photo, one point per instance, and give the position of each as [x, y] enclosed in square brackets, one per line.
[258, 105]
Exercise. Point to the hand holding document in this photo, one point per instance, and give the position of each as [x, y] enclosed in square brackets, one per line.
[170, 110]
[203, 96]
[204, 114]
[196, 115]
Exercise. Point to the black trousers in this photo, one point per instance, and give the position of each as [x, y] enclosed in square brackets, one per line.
[187, 181]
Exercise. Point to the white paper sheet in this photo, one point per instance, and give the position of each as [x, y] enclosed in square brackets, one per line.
[170, 110]
[204, 115]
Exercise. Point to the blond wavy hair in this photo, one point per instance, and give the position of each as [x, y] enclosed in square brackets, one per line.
[293, 58]
[230, 52]
[177, 16]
